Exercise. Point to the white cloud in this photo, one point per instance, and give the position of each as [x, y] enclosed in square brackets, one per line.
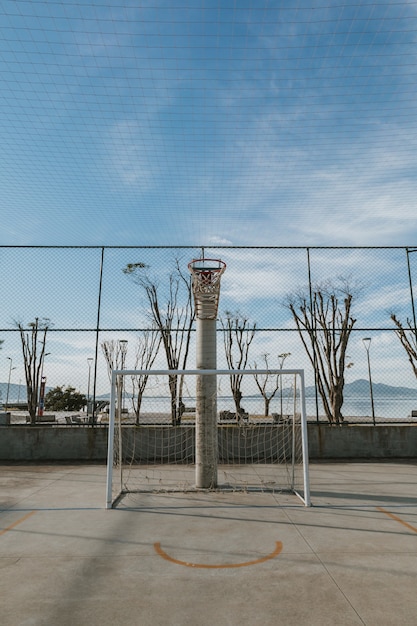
[219, 241]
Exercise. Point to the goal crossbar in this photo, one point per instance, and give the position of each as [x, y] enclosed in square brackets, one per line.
[305, 496]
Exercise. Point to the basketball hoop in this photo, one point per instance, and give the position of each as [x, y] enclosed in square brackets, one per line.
[206, 274]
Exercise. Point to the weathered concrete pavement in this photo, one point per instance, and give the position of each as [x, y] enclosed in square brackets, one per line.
[209, 559]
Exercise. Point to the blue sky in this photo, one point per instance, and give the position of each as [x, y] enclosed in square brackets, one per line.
[234, 122]
[177, 122]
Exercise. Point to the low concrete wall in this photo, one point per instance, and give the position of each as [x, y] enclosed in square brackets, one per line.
[42, 443]
[4, 419]
[384, 441]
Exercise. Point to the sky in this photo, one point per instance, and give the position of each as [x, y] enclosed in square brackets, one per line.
[236, 122]
[205, 123]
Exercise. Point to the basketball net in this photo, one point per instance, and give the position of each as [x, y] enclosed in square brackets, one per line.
[206, 274]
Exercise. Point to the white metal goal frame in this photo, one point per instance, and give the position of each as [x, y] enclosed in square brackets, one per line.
[304, 496]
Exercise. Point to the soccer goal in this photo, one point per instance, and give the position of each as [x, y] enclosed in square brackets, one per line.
[158, 435]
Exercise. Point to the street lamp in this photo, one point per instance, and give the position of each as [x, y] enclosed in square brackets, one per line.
[281, 362]
[123, 352]
[41, 404]
[90, 362]
[367, 344]
[8, 382]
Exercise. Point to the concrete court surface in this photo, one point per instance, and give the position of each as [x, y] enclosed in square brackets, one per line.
[209, 558]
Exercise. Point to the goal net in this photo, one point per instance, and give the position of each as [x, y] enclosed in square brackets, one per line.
[260, 433]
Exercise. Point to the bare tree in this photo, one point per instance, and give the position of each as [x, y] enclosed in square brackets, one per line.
[33, 347]
[238, 335]
[268, 384]
[408, 338]
[172, 313]
[324, 323]
[146, 353]
[115, 354]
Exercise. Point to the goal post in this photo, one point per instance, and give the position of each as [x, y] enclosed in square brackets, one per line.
[259, 449]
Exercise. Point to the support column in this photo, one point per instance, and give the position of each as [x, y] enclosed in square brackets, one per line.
[206, 274]
[206, 406]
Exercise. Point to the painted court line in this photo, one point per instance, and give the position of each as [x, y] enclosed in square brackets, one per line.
[397, 519]
[164, 555]
[19, 521]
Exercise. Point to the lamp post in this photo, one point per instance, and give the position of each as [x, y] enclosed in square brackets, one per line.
[8, 382]
[367, 344]
[90, 362]
[123, 352]
[41, 405]
[281, 362]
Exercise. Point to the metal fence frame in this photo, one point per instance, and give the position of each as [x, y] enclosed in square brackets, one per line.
[97, 329]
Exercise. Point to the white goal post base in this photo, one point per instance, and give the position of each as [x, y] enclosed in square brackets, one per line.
[152, 443]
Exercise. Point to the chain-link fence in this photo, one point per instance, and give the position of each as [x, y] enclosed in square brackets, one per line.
[89, 299]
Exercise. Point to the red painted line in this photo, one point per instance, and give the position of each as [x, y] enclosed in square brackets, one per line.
[164, 555]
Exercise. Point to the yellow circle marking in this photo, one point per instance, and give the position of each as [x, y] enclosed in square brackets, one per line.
[164, 555]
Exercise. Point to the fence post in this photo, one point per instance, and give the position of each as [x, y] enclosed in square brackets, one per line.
[93, 416]
[313, 325]
[411, 289]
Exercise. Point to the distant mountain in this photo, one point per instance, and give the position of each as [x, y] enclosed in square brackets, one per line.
[357, 389]
[16, 392]
[360, 388]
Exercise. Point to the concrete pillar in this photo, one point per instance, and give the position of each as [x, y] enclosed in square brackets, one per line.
[206, 274]
[206, 406]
